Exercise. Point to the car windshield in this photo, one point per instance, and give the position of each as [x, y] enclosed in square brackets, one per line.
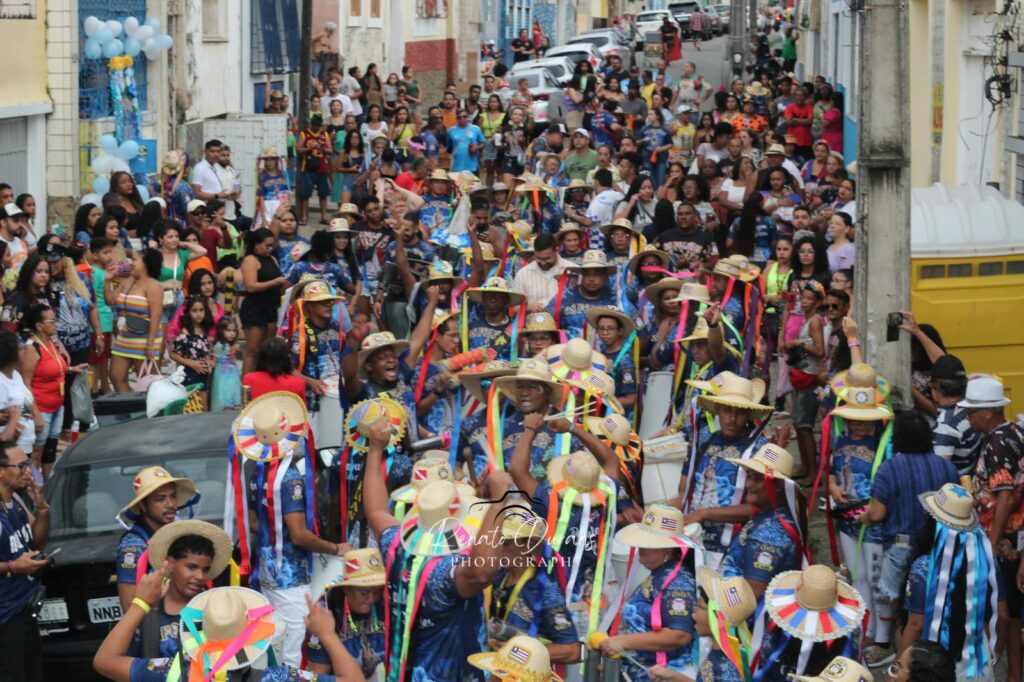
[649, 16]
[86, 499]
[596, 41]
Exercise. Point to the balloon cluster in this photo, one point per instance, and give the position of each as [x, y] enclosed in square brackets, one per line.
[113, 38]
[114, 157]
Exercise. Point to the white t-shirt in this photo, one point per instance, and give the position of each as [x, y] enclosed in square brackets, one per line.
[369, 134]
[350, 86]
[204, 175]
[19, 252]
[14, 393]
[228, 177]
[346, 104]
[735, 193]
[602, 206]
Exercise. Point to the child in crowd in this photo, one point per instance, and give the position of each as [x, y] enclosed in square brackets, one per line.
[226, 389]
[192, 348]
[103, 254]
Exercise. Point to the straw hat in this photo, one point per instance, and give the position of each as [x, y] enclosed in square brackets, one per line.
[440, 174]
[535, 370]
[520, 659]
[520, 228]
[376, 342]
[568, 227]
[593, 314]
[162, 540]
[755, 89]
[736, 391]
[499, 187]
[495, 285]
[317, 291]
[841, 669]
[598, 383]
[579, 184]
[270, 427]
[861, 404]
[594, 260]
[364, 415]
[433, 526]
[952, 506]
[771, 458]
[691, 291]
[520, 524]
[149, 480]
[442, 271]
[174, 161]
[579, 469]
[427, 470]
[662, 527]
[700, 332]
[813, 604]
[360, 568]
[735, 599]
[539, 322]
[269, 153]
[340, 226]
[664, 259]
[613, 427]
[575, 355]
[864, 375]
[738, 267]
[472, 379]
[653, 291]
[621, 223]
[775, 150]
[225, 613]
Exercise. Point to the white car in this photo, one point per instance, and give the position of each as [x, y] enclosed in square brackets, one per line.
[608, 42]
[577, 52]
[650, 22]
[559, 67]
[548, 96]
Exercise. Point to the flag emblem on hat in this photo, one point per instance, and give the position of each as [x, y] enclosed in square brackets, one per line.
[770, 456]
[668, 524]
[538, 318]
[609, 424]
[518, 653]
[420, 474]
[352, 565]
[732, 597]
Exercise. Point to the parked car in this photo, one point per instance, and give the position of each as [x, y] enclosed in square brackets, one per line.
[608, 42]
[725, 12]
[650, 22]
[714, 21]
[577, 52]
[91, 482]
[548, 95]
[681, 12]
[560, 68]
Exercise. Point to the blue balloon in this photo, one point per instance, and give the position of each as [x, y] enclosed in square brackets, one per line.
[128, 150]
[154, 24]
[103, 35]
[101, 185]
[108, 144]
[113, 48]
[164, 41]
[93, 50]
[132, 46]
[143, 192]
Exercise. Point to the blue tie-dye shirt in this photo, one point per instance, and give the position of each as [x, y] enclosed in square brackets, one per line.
[540, 505]
[572, 312]
[294, 570]
[133, 545]
[483, 334]
[677, 602]
[763, 549]
[555, 622]
[718, 668]
[851, 465]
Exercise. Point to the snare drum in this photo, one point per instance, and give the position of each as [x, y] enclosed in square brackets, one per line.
[326, 569]
[664, 459]
[656, 404]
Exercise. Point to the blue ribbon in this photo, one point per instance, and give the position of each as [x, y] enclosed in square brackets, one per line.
[310, 521]
[453, 447]
[263, 535]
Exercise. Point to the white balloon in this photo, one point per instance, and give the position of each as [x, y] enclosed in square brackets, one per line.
[103, 35]
[101, 164]
[154, 24]
[152, 52]
[119, 165]
[115, 27]
[144, 33]
[91, 25]
[164, 41]
[131, 25]
[91, 198]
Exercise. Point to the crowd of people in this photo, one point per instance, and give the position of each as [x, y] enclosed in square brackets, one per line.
[515, 327]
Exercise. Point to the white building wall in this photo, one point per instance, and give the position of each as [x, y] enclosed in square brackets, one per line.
[61, 126]
[214, 77]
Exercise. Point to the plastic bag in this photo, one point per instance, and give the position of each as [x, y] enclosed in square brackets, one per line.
[81, 398]
[165, 390]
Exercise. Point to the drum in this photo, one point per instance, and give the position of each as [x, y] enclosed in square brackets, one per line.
[328, 423]
[657, 403]
[664, 459]
[326, 569]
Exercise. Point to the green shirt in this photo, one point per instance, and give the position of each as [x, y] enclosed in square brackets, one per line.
[789, 49]
[578, 165]
[106, 313]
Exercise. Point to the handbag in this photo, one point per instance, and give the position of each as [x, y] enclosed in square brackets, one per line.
[801, 379]
[81, 398]
[148, 373]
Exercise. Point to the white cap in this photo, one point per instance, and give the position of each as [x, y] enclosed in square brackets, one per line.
[582, 131]
[11, 210]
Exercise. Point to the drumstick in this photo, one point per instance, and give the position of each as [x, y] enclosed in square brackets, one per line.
[578, 411]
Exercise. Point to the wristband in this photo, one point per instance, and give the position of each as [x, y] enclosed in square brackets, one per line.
[141, 603]
[853, 344]
[712, 326]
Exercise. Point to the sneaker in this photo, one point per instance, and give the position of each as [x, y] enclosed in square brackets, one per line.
[876, 656]
[822, 504]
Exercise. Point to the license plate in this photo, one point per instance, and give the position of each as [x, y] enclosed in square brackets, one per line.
[105, 610]
[53, 611]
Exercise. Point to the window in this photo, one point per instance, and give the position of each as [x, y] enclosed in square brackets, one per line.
[962, 270]
[1015, 267]
[432, 9]
[933, 271]
[17, 9]
[275, 36]
[215, 20]
[990, 269]
[93, 77]
[375, 20]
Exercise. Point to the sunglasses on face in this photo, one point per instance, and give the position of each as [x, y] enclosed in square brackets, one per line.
[20, 466]
[200, 213]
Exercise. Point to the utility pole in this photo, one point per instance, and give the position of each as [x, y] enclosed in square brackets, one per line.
[882, 279]
[737, 38]
[305, 62]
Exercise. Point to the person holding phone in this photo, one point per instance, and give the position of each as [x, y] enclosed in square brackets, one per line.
[23, 534]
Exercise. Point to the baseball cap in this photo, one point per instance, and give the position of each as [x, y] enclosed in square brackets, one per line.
[581, 131]
[556, 128]
[12, 211]
[948, 367]
[194, 204]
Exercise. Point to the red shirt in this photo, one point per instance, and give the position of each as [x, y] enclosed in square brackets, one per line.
[802, 133]
[260, 383]
[48, 379]
[406, 181]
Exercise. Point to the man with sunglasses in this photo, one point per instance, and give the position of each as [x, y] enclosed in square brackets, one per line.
[23, 534]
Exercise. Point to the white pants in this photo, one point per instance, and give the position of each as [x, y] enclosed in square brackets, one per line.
[290, 609]
[865, 566]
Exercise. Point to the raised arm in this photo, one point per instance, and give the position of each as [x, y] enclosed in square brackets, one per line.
[421, 332]
[519, 467]
[716, 340]
[375, 491]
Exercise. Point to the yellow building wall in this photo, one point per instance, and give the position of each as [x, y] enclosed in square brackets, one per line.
[23, 52]
[920, 93]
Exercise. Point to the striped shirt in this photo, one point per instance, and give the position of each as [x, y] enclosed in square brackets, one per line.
[539, 286]
[955, 440]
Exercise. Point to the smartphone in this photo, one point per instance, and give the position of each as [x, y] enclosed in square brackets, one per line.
[43, 556]
[892, 326]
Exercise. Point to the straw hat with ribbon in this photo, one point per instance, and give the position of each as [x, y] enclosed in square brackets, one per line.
[437, 523]
[756, 89]
[735, 391]
[162, 540]
[318, 291]
[495, 285]
[541, 322]
[735, 599]
[535, 370]
[225, 629]
[568, 227]
[654, 290]
[360, 568]
[269, 152]
[473, 378]
[520, 659]
[841, 669]
[574, 359]
[174, 162]
[700, 332]
[770, 459]
[520, 228]
[861, 404]
[148, 481]
[813, 604]
[597, 383]
[664, 259]
[691, 291]
[340, 226]
[662, 527]
[620, 224]
[738, 267]
[594, 260]
[952, 506]
[861, 374]
[579, 184]
[523, 525]
[440, 174]
[593, 314]
[364, 415]
[426, 471]
[442, 271]
[377, 342]
[616, 432]
[580, 470]
[271, 427]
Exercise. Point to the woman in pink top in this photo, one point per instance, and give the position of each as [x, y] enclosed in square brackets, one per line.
[832, 118]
